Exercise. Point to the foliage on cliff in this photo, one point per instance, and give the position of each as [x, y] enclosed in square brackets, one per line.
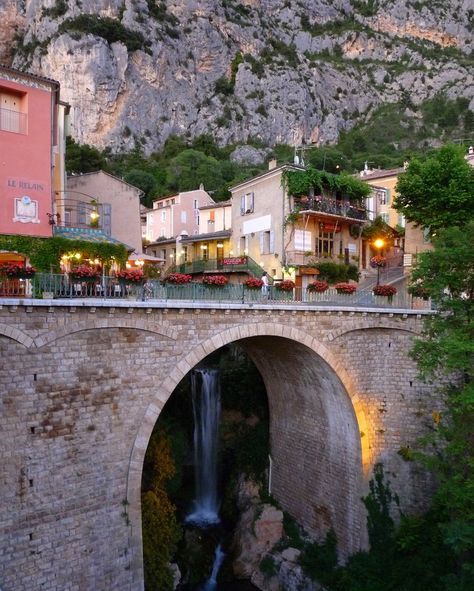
[299, 182]
[160, 529]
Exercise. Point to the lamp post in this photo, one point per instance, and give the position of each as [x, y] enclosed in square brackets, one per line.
[379, 244]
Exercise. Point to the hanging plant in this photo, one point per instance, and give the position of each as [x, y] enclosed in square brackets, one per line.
[378, 261]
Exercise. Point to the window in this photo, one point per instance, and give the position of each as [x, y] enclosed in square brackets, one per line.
[244, 244]
[163, 253]
[184, 217]
[266, 242]
[382, 196]
[246, 203]
[326, 244]
[163, 216]
[212, 216]
[401, 220]
[385, 217]
[185, 254]
[302, 240]
[173, 201]
[196, 203]
[11, 117]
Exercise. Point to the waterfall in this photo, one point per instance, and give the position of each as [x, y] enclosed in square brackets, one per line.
[211, 583]
[206, 410]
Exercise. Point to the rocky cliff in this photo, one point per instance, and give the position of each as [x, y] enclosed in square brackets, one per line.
[135, 71]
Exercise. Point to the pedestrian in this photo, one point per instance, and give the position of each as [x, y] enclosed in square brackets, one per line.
[265, 284]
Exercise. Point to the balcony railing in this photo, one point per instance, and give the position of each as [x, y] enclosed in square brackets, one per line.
[13, 121]
[73, 213]
[320, 204]
[244, 264]
[51, 286]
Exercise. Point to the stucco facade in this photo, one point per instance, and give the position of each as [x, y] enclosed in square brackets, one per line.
[30, 149]
[123, 199]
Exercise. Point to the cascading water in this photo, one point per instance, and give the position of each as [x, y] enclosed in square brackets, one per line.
[206, 410]
[211, 582]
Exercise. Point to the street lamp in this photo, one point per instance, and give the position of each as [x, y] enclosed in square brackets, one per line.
[379, 244]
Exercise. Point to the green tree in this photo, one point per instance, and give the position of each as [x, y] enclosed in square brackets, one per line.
[438, 192]
[190, 168]
[83, 158]
[144, 181]
[447, 349]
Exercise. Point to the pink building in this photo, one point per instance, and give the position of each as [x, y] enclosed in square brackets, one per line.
[31, 120]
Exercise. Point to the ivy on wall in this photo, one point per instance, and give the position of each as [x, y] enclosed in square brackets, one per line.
[299, 182]
[45, 253]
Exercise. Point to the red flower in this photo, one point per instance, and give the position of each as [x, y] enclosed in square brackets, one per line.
[286, 285]
[179, 278]
[347, 288]
[378, 261]
[131, 275]
[17, 270]
[84, 272]
[253, 283]
[318, 286]
[384, 290]
[219, 280]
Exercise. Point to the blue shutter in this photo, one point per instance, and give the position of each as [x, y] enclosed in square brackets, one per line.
[107, 219]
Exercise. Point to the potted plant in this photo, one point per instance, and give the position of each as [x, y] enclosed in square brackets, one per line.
[387, 291]
[215, 280]
[318, 286]
[285, 285]
[378, 261]
[345, 288]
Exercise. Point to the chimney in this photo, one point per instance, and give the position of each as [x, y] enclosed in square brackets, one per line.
[201, 186]
[272, 164]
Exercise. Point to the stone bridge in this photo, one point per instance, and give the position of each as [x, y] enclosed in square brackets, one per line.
[83, 384]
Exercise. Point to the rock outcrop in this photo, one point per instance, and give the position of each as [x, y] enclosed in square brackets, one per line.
[136, 71]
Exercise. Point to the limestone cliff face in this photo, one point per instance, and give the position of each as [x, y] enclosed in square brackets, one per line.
[135, 71]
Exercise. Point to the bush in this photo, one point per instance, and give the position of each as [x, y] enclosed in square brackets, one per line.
[337, 272]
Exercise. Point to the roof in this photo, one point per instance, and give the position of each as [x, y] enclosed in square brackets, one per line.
[141, 256]
[207, 236]
[217, 204]
[380, 174]
[29, 75]
[115, 178]
[161, 241]
[270, 172]
[87, 234]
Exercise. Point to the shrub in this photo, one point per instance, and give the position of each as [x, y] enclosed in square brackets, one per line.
[346, 288]
[337, 272]
[216, 280]
[318, 286]
[385, 290]
[286, 285]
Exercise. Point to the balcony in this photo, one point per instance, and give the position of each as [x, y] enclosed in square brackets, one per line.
[73, 213]
[331, 207]
[13, 121]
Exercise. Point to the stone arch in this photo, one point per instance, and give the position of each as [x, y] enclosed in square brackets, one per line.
[101, 323]
[16, 335]
[337, 377]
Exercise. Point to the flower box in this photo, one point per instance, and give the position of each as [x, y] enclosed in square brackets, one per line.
[253, 283]
[84, 273]
[286, 285]
[385, 290]
[131, 277]
[318, 286]
[17, 271]
[178, 278]
[345, 288]
[215, 280]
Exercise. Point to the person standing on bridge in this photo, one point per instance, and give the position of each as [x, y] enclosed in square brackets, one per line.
[265, 285]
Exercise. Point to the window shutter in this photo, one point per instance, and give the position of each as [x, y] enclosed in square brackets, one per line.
[272, 241]
[242, 205]
[262, 242]
[250, 205]
[107, 218]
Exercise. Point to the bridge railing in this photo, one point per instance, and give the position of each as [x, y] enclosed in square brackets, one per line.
[51, 286]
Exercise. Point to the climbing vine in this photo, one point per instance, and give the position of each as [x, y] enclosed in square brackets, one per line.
[299, 182]
[45, 253]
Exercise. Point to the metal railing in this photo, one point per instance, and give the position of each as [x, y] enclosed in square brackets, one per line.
[50, 286]
[243, 264]
[13, 121]
[332, 206]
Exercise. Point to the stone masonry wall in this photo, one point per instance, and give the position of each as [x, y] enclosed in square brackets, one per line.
[82, 387]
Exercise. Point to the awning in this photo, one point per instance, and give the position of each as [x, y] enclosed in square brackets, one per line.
[88, 234]
[141, 256]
